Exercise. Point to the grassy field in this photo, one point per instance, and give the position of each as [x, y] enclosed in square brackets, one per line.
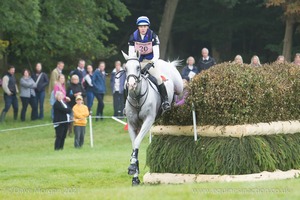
[31, 169]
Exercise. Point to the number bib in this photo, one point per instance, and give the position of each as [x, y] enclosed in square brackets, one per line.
[143, 48]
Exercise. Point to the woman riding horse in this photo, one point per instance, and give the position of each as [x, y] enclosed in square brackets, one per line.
[146, 42]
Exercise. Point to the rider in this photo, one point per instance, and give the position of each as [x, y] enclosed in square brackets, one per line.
[146, 42]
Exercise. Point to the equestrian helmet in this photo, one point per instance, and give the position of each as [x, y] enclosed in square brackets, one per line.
[143, 21]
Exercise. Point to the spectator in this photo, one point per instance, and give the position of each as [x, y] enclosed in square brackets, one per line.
[99, 88]
[238, 60]
[180, 99]
[117, 82]
[255, 61]
[80, 70]
[60, 86]
[75, 89]
[88, 86]
[280, 59]
[27, 94]
[10, 89]
[297, 59]
[190, 70]
[42, 81]
[54, 75]
[206, 61]
[80, 112]
[60, 120]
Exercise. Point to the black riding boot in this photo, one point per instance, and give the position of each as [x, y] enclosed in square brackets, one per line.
[2, 117]
[164, 96]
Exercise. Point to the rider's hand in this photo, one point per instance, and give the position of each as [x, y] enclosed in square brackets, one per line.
[147, 67]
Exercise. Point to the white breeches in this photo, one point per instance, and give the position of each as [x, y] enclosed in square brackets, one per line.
[153, 71]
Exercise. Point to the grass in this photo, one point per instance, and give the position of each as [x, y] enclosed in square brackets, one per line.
[31, 169]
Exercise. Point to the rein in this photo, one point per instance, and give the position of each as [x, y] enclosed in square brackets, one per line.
[139, 96]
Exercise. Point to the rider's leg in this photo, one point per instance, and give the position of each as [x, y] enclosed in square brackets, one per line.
[161, 88]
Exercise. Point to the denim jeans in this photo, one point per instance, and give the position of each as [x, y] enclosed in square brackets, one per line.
[90, 99]
[32, 101]
[40, 98]
[100, 106]
[11, 100]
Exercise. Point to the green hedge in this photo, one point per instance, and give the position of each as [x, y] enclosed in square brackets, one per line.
[251, 154]
[228, 94]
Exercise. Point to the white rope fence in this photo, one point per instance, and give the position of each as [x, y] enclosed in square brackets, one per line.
[52, 124]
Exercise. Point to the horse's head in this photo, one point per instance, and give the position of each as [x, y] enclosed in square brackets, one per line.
[133, 71]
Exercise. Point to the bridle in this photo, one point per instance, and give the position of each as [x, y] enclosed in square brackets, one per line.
[137, 96]
[136, 78]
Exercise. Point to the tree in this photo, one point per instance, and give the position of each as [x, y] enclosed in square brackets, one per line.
[166, 25]
[61, 29]
[291, 15]
[18, 24]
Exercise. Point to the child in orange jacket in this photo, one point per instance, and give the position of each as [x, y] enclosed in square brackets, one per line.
[80, 112]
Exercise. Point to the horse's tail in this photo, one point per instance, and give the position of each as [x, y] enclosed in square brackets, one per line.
[176, 76]
[176, 63]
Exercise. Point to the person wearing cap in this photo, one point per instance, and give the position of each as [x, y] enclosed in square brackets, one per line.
[146, 42]
[80, 113]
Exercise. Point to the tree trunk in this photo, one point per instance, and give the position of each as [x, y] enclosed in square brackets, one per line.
[288, 38]
[166, 25]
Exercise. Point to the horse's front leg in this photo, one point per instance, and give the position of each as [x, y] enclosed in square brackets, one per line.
[133, 169]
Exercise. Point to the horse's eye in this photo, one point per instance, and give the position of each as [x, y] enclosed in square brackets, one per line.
[138, 68]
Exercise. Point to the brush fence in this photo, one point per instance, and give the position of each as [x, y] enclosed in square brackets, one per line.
[250, 152]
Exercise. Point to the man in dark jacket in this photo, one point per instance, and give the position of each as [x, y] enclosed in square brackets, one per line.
[42, 81]
[80, 71]
[10, 90]
[206, 61]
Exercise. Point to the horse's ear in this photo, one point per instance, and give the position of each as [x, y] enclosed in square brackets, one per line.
[138, 54]
[125, 55]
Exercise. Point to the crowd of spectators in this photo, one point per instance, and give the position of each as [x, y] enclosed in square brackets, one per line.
[85, 85]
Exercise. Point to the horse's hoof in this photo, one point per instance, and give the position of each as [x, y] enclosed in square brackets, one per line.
[132, 169]
[135, 181]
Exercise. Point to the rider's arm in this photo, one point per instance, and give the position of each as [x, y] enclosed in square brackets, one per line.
[155, 48]
[131, 51]
[155, 53]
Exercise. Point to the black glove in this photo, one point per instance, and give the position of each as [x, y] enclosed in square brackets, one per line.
[147, 67]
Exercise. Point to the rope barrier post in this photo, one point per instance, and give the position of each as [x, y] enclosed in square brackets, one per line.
[194, 122]
[150, 137]
[91, 131]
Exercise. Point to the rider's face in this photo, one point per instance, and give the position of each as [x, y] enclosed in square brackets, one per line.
[143, 29]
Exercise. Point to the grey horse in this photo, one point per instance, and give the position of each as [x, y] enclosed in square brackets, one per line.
[143, 102]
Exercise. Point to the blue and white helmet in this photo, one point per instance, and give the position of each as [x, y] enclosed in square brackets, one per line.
[143, 21]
